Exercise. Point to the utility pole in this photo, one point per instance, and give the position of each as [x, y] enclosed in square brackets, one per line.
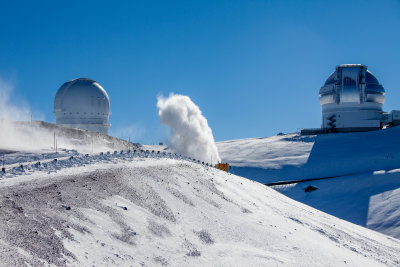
[30, 128]
[3, 169]
[54, 141]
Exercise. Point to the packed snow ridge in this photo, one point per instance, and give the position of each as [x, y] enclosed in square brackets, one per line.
[18, 163]
[160, 211]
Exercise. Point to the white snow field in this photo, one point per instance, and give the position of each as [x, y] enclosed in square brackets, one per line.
[367, 191]
[371, 199]
[293, 156]
[136, 211]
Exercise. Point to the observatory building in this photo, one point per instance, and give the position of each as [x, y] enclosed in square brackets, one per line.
[82, 103]
[352, 100]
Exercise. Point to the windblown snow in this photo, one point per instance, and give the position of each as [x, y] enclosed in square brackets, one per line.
[128, 209]
[190, 133]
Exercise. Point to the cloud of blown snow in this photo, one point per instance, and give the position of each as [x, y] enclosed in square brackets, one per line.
[17, 132]
[14, 135]
[7, 109]
[190, 133]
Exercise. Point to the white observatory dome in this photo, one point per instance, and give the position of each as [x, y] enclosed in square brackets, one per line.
[82, 103]
[351, 100]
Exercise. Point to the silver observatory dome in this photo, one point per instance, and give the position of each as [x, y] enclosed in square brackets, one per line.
[351, 83]
[351, 99]
[82, 103]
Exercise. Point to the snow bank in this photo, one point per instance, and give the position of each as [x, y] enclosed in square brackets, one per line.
[171, 212]
[17, 163]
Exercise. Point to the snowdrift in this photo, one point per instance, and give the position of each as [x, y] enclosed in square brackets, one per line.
[171, 212]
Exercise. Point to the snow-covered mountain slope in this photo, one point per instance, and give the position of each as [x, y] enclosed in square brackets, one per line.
[292, 156]
[368, 192]
[37, 135]
[370, 199]
[171, 212]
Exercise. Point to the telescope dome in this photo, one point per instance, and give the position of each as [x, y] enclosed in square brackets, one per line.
[357, 85]
[84, 104]
[351, 99]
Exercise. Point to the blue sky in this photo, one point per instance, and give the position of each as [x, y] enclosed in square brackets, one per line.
[253, 67]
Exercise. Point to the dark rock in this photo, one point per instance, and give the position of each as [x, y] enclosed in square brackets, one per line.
[310, 188]
[193, 253]
[66, 207]
[205, 237]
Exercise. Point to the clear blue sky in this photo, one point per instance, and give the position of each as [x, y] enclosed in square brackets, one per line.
[253, 67]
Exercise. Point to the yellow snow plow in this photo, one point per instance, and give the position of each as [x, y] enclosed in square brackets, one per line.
[222, 166]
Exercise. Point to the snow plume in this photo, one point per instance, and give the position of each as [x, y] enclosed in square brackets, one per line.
[10, 136]
[128, 131]
[190, 134]
[9, 110]
[18, 132]
[15, 130]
